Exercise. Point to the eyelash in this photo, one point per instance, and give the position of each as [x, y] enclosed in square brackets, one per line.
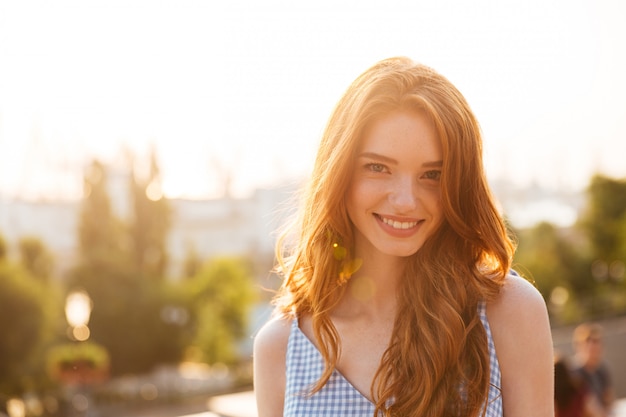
[376, 167]
[428, 175]
[434, 175]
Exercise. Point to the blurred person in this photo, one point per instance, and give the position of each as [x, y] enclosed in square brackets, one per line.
[398, 297]
[572, 397]
[587, 340]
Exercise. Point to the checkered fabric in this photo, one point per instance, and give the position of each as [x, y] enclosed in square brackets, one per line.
[494, 400]
[305, 365]
[338, 397]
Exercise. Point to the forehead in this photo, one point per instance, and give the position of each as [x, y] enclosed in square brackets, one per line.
[401, 132]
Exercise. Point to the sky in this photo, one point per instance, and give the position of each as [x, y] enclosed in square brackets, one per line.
[243, 89]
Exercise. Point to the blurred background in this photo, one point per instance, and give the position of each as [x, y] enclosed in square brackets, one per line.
[150, 150]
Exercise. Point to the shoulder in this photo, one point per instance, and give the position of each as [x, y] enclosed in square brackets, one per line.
[269, 357]
[518, 318]
[517, 298]
[521, 333]
[275, 332]
[518, 312]
[270, 344]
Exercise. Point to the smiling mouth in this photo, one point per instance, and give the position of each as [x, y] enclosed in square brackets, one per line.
[396, 224]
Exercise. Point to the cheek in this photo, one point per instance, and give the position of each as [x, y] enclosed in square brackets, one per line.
[435, 206]
[359, 193]
[360, 198]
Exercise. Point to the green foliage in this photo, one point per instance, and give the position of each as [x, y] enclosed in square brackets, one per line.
[62, 355]
[604, 222]
[27, 320]
[605, 216]
[35, 257]
[129, 319]
[222, 293]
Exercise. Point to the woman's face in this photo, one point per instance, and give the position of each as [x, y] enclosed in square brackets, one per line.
[394, 199]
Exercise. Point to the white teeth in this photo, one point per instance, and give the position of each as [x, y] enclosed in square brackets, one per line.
[398, 225]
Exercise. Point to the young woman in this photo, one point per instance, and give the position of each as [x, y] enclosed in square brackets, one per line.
[398, 298]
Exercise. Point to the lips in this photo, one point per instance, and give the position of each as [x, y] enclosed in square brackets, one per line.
[396, 224]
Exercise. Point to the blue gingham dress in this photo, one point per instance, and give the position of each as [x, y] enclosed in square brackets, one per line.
[338, 397]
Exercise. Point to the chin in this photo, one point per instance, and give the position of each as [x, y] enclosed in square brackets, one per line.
[403, 252]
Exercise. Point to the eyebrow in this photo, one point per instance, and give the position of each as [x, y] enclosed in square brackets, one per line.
[373, 155]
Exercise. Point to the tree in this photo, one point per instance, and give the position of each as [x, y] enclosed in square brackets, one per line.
[100, 234]
[150, 223]
[604, 222]
[222, 294]
[132, 318]
[606, 212]
[27, 319]
[35, 257]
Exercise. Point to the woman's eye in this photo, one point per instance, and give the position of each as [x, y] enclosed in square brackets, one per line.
[432, 175]
[374, 167]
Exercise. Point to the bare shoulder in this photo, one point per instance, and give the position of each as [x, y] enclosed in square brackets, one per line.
[270, 346]
[518, 316]
[520, 326]
[270, 352]
[518, 298]
[273, 335]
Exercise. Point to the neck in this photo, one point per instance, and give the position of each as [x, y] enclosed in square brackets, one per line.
[372, 291]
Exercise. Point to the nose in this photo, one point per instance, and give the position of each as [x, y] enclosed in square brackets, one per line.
[403, 195]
